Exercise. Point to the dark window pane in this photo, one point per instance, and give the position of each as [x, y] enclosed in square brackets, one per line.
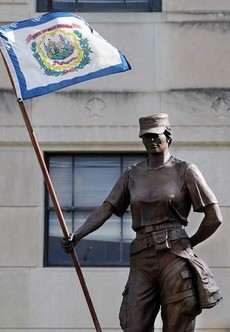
[64, 5]
[42, 6]
[94, 177]
[56, 256]
[61, 174]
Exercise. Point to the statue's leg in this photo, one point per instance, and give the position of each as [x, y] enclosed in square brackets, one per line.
[140, 304]
[179, 306]
[175, 320]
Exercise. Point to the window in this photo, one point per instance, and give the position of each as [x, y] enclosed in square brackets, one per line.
[99, 5]
[82, 182]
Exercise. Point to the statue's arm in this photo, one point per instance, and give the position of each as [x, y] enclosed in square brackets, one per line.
[211, 221]
[95, 220]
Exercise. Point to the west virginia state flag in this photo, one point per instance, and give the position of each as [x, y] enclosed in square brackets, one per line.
[56, 50]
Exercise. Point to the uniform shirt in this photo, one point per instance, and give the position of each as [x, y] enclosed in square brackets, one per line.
[160, 194]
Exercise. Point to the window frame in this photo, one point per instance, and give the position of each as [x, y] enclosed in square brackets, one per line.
[123, 6]
[73, 210]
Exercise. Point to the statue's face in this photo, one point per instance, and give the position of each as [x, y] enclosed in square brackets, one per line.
[155, 143]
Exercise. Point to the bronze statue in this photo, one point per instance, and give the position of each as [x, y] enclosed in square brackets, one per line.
[164, 273]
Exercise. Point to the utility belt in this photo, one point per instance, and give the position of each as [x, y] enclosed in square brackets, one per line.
[160, 239]
[157, 227]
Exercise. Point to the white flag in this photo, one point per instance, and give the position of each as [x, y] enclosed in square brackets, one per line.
[56, 50]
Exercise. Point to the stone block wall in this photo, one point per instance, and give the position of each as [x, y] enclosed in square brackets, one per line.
[180, 66]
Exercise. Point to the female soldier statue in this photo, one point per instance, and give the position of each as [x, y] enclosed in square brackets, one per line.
[164, 273]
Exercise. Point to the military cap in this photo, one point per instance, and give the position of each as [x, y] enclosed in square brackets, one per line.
[155, 124]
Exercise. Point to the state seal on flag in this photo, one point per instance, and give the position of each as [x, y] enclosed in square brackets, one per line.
[60, 51]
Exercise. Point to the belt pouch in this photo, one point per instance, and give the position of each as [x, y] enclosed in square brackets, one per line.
[161, 240]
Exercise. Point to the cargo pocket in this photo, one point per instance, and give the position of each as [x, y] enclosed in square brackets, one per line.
[184, 294]
[189, 304]
[123, 314]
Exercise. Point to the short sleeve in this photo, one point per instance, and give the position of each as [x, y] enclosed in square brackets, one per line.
[119, 196]
[200, 193]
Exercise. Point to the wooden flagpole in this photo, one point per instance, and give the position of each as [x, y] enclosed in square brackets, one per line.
[56, 204]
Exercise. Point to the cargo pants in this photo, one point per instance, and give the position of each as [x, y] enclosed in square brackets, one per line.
[159, 281]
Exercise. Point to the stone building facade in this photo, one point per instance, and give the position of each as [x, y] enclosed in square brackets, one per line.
[180, 65]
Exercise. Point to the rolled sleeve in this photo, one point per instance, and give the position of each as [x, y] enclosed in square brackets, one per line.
[119, 196]
[200, 193]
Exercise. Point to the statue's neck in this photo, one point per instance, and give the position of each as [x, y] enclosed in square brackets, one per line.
[158, 159]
